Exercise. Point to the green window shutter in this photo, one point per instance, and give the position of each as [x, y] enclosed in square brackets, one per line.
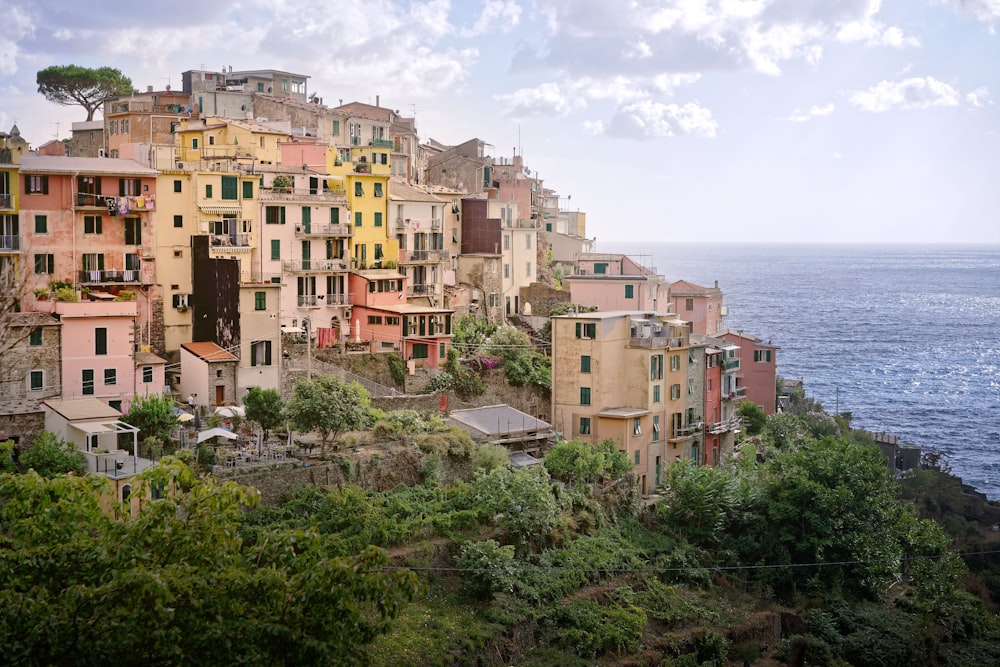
[282, 210]
[629, 291]
[584, 395]
[359, 190]
[194, 141]
[585, 364]
[230, 185]
[306, 215]
[253, 354]
[336, 127]
[41, 224]
[357, 219]
[177, 186]
[35, 338]
[267, 353]
[87, 376]
[579, 328]
[100, 340]
[208, 191]
[260, 301]
[178, 221]
[378, 218]
[248, 189]
[334, 216]
[275, 249]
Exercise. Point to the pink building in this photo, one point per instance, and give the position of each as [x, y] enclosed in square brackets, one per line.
[759, 369]
[97, 350]
[89, 222]
[382, 316]
[701, 306]
[616, 282]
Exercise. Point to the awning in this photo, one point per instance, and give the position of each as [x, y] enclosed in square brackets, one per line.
[222, 210]
[216, 432]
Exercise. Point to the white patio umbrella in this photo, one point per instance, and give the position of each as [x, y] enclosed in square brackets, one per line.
[185, 417]
[357, 330]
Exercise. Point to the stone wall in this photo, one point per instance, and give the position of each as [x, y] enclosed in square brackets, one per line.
[542, 298]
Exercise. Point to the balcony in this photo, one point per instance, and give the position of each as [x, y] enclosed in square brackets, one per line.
[336, 299]
[655, 342]
[308, 301]
[127, 276]
[305, 195]
[323, 230]
[256, 278]
[89, 200]
[736, 394]
[417, 290]
[313, 265]
[10, 243]
[686, 432]
[436, 223]
[230, 241]
[8, 201]
[414, 256]
[731, 424]
[731, 365]
[355, 141]
[381, 143]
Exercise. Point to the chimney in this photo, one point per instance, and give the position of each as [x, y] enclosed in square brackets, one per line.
[376, 100]
[149, 89]
[716, 284]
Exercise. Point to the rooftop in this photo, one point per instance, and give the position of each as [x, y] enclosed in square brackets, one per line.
[495, 421]
[58, 164]
[82, 408]
[207, 351]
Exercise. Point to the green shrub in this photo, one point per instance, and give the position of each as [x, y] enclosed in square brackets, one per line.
[490, 457]
[50, 455]
[397, 368]
[490, 568]
[206, 455]
[589, 629]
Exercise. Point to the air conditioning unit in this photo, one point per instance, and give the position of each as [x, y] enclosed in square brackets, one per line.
[100, 152]
[182, 165]
[347, 313]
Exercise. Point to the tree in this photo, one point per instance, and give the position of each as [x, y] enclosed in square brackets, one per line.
[579, 462]
[265, 407]
[70, 85]
[522, 503]
[176, 584]
[153, 415]
[753, 417]
[50, 456]
[328, 406]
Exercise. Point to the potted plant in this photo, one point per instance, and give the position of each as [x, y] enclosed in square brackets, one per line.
[67, 294]
[282, 183]
[125, 295]
[42, 294]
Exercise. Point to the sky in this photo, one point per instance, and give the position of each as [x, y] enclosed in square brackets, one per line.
[766, 121]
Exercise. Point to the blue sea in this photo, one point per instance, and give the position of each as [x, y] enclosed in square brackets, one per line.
[905, 337]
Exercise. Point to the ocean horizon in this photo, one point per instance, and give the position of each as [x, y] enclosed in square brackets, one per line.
[905, 337]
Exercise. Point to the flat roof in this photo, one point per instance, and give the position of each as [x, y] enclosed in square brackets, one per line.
[623, 413]
[208, 351]
[498, 420]
[82, 408]
[59, 164]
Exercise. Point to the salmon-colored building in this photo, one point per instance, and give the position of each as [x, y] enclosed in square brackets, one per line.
[382, 317]
[758, 371]
[613, 281]
[701, 306]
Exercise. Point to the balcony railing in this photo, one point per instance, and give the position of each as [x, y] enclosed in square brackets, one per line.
[435, 223]
[113, 276]
[336, 299]
[736, 394]
[300, 265]
[10, 242]
[136, 203]
[303, 195]
[256, 278]
[731, 424]
[355, 141]
[7, 200]
[688, 431]
[308, 301]
[420, 289]
[409, 256]
[381, 143]
[731, 365]
[653, 341]
[231, 241]
[323, 230]
[88, 200]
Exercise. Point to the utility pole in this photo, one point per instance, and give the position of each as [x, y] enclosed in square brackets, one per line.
[309, 361]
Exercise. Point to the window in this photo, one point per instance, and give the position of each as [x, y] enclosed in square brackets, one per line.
[41, 224]
[762, 355]
[91, 224]
[584, 425]
[630, 291]
[378, 250]
[708, 384]
[690, 387]
[357, 219]
[274, 215]
[248, 189]
[45, 263]
[229, 188]
[35, 337]
[378, 189]
[637, 457]
[600, 267]
[675, 392]
[157, 490]
[506, 241]
[260, 353]
[359, 190]
[527, 242]
[585, 363]
[378, 218]
[147, 374]
[128, 187]
[275, 249]
[637, 430]
[260, 301]
[133, 231]
[584, 395]
[527, 269]
[420, 350]
[110, 376]
[675, 362]
[36, 185]
[208, 191]
[586, 330]
[100, 340]
[178, 221]
[656, 367]
[688, 304]
[36, 380]
[334, 216]
[656, 428]
[656, 393]
[374, 319]
[194, 140]
[211, 140]
[87, 378]
[506, 270]
[691, 355]
[177, 186]
[336, 127]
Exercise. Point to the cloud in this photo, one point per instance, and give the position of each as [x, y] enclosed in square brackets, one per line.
[555, 99]
[984, 11]
[647, 120]
[548, 99]
[873, 33]
[914, 93]
[815, 112]
[497, 15]
[980, 97]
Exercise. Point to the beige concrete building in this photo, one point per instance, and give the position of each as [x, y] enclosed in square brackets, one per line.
[417, 217]
[619, 375]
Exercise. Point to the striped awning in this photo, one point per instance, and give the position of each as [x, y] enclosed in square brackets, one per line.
[222, 210]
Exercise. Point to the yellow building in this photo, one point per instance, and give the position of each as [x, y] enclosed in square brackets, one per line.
[621, 375]
[363, 173]
[10, 231]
